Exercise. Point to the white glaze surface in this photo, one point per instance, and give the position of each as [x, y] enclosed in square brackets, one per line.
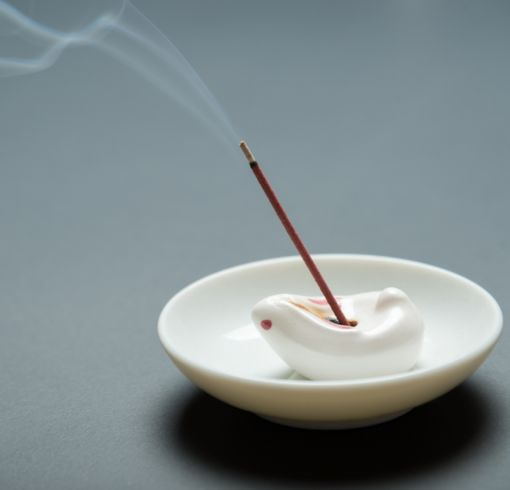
[387, 338]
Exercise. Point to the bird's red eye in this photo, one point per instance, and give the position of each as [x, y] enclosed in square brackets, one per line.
[266, 324]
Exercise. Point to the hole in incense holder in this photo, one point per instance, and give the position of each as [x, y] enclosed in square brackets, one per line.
[352, 323]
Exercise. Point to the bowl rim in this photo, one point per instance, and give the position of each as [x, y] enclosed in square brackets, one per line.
[485, 346]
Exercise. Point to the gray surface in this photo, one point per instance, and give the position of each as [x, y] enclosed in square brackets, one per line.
[385, 128]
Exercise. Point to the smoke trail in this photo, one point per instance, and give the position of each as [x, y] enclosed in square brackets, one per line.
[131, 38]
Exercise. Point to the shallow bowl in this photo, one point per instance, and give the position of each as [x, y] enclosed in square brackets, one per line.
[207, 332]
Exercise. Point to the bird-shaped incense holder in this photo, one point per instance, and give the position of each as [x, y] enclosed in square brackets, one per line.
[384, 337]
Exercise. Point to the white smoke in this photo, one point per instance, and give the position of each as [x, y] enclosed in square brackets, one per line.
[131, 38]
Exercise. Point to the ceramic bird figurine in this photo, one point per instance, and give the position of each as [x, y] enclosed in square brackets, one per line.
[384, 337]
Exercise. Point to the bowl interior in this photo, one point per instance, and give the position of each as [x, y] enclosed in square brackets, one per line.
[208, 323]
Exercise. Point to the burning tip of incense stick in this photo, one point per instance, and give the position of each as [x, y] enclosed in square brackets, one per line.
[247, 152]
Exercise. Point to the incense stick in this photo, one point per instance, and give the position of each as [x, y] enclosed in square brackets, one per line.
[293, 235]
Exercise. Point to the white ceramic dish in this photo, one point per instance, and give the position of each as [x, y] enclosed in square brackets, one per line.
[206, 330]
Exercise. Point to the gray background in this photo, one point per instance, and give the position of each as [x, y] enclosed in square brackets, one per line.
[384, 127]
